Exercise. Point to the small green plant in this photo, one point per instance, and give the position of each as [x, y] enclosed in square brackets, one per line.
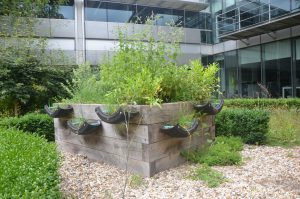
[223, 151]
[186, 121]
[29, 166]
[211, 177]
[135, 181]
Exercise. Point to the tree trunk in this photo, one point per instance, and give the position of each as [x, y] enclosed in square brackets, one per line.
[16, 108]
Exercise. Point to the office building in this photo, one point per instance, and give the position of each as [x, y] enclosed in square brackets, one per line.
[255, 42]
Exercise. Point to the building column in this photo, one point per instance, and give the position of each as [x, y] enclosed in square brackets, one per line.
[79, 32]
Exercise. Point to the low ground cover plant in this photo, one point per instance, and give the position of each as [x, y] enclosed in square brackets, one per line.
[251, 125]
[284, 128]
[210, 176]
[223, 151]
[29, 166]
[40, 124]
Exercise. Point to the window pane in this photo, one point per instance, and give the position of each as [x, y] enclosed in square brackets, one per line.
[298, 67]
[250, 67]
[279, 7]
[231, 74]
[220, 60]
[65, 11]
[122, 13]
[96, 11]
[277, 60]
[163, 16]
[192, 19]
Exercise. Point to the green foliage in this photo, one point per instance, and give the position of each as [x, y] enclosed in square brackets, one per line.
[135, 181]
[29, 8]
[145, 73]
[27, 77]
[29, 166]
[223, 151]
[211, 177]
[264, 103]
[40, 124]
[251, 125]
[284, 128]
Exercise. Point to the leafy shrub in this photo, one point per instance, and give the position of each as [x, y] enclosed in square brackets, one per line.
[264, 103]
[205, 173]
[251, 125]
[284, 128]
[224, 151]
[145, 73]
[29, 166]
[40, 124]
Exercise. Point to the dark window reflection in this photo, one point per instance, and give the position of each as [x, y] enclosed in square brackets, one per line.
[277, 60]
[96, 11]
[121, 13]
[64, 11]
[192, 19]
[163, 16]
[231, 73]
[297, 80]
[124, 13]
[250, 67]
[279, 7]
[219, 59]
[206, 37]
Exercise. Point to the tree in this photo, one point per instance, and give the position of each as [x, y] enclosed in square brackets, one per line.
[27, 78]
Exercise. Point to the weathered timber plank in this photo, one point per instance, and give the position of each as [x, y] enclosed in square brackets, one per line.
[102, 143]
[165, 163]
[170, 146]
[134, 166]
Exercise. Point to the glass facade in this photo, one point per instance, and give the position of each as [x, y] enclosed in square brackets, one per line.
[124, 13]
[247, 72]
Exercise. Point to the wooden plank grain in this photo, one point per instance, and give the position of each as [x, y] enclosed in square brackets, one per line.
[133, 166]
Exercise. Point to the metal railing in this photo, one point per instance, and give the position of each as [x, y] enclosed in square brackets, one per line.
[247, 15]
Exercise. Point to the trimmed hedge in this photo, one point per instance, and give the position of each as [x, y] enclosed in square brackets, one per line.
[40, 124]
[264, 103]
[251, 125]
[29, 166]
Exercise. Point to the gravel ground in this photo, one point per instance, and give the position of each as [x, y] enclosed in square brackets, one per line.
[266, 172]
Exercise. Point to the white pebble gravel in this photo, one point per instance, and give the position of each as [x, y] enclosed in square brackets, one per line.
[266, 172]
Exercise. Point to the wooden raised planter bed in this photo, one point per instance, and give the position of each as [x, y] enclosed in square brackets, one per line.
[150, 150]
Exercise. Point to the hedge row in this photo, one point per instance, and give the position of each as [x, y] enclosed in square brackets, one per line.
[251, 125]
[264, 103]
[40, 124]
[29, 166]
